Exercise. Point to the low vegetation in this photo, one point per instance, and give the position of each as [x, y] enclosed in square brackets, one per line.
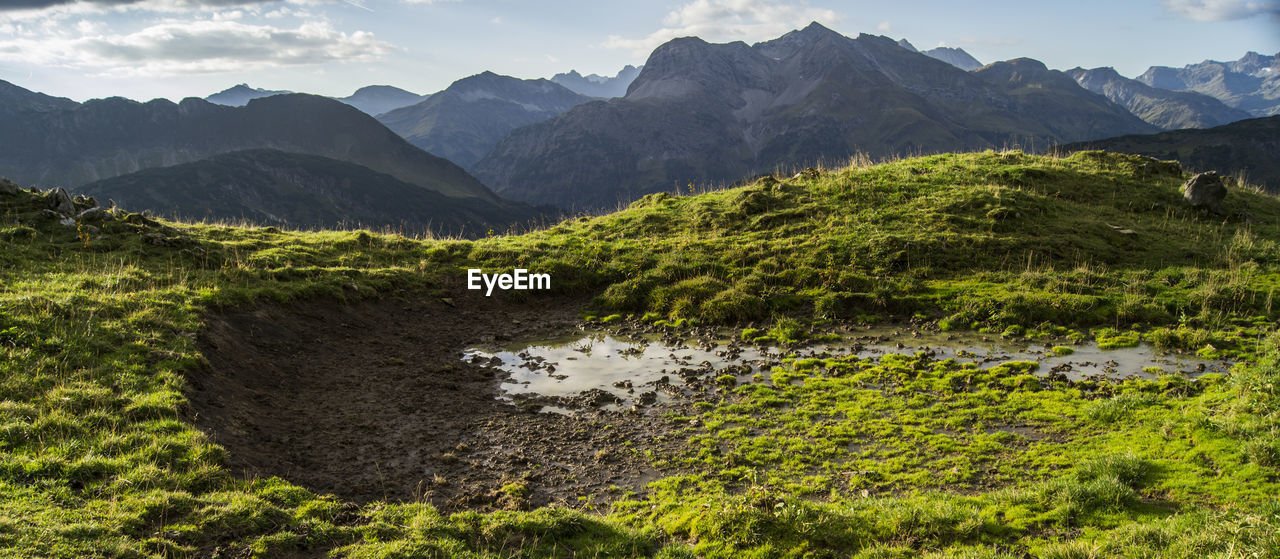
[904, 456]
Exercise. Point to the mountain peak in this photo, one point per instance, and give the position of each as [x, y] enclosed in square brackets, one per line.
[815, 28]
[907, 45]
[240, 94]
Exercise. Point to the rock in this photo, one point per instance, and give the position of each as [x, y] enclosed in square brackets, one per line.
[95, 214]
[7, 187]
[59, 201]
[1205, 190]
[68, 221]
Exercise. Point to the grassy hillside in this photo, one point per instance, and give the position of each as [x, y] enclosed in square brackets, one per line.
[1244, 148]
[829, 458]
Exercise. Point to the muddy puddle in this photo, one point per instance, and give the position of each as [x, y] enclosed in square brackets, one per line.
[455, 402]
[620, 372]
[370, 402]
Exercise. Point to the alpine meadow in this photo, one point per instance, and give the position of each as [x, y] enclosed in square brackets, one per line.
[815, 296]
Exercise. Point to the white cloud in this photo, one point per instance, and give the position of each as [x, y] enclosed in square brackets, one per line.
[726, 20]
[100, 5]
[1222, 10]
[884, 27]
[193, 47]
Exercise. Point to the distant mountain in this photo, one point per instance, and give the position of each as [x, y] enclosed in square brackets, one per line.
[593, 85]
[954, 56]
[104, 138]
[714, 113]
[463, 122]
[1246, 146]
[240, 95]
[1169, 110]
[272, 187]
[1251, 84]
[377, 99]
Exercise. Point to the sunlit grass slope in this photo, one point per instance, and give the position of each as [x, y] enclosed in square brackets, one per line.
[828, 458]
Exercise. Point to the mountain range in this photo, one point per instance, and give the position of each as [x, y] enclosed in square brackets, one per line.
[1169, 110]
[1245, 147]
[1251, 84]
[103, 138]
[121, 145]
[702, 113]
[594, 85]
[464, 122]
[695, 113]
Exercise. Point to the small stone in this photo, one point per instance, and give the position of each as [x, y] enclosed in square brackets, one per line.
[68, 221]
[1205, 190]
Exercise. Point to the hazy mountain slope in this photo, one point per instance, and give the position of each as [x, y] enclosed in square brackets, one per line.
[377, 99]
[104, 138]
[705, 113]
[1251, 84]
[1247, 146]
[593, 85]
[14, 98]
[1169, 110]
[954, 56]
[240, 95]
[463, 122]
[301, 191]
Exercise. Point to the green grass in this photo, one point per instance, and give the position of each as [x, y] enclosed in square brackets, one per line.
[841, 457]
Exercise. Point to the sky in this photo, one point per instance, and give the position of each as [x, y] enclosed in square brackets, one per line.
[144, 49]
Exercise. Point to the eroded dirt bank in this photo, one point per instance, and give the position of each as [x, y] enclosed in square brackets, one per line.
[372, 401]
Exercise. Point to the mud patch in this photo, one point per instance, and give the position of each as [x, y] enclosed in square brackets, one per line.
[373, 401]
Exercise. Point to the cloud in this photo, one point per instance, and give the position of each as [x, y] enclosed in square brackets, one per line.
[884, 27]
[194, 47]
[726, 20]
[1222, 10]
[16, 5]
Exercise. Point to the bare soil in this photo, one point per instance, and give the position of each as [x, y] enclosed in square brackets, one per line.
[373, 401]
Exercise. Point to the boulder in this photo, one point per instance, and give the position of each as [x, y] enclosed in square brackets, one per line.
[1205, 190]
[7, 187]
[59, 201]
[95, 214]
